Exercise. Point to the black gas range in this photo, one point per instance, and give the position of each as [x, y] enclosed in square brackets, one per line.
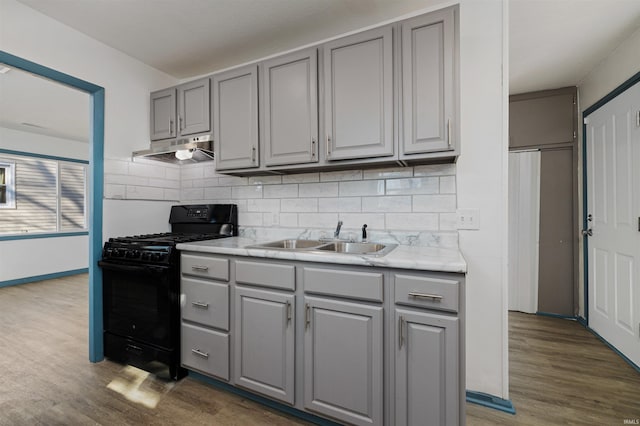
[141, 286]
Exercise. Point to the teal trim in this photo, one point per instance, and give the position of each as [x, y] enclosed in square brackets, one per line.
[46, 157]
[96, 178]
[38, 236]
[42, 277]
[613, 94]
[552, 315]
[261, 400]
[491, 401]
[613, 348]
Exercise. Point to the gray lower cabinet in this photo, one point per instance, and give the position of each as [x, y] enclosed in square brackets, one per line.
[265, 342]
[235, 118]
[343, 360]
[426, 369]
[205, 350]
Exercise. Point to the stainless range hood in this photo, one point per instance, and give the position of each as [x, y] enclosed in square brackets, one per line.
[179, 151]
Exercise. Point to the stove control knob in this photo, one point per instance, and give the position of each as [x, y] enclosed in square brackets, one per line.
[146, 256]
[155, 257]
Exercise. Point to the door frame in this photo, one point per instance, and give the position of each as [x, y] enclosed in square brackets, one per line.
[96, 178]
[585, 242]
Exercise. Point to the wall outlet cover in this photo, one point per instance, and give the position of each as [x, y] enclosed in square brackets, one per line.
[468, 219]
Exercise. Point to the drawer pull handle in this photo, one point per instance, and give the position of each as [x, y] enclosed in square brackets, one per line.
[133, 348]
[200, 268]
[200, 305]
[307, 315]
[200, 353]
[433, 297]
[288, 312]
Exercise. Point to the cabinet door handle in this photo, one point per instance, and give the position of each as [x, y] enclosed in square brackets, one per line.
[449, 132]
[328, 146]
[180, 122]
[313, 147]
[253, 154]
[288, 312]
[200, 305]
[401, 330]
[433, 297]
[307, 315]
[170, 125]
[200, 268]
[200, 353]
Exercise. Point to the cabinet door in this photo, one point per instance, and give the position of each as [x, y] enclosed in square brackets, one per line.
[358, 74]
[265, 351]
[163, 113]
[235, 118]
[290, 95]
[428, 83]
[343, 368]
[193, 107]
[427, 386]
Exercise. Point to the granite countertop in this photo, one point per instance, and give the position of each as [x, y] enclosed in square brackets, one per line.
[403, 256]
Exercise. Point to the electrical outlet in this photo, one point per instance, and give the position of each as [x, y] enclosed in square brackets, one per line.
[468, 219]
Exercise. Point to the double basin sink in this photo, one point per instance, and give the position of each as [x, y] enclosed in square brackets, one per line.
[317, 246]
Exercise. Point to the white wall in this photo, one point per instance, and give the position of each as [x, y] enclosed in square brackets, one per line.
[17, 140]
[622, 64]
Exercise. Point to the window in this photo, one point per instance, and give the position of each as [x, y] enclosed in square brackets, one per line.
[7, 185]
[46, 195]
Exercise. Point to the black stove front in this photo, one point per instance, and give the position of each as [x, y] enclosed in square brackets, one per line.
[141, 286]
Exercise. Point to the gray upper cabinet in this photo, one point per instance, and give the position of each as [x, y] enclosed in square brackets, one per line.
[235, 118]
[343, 360]
[427, 359]
[264, 342]
[290, 108]
[428, 84]
[193, 110]
[194, 107]
[163, 113]
[358, 92]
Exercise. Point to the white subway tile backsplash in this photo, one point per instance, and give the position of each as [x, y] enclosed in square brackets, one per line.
[233, 181]
[434, 203]
[191, 194]
[210, 170]
[301, 178]
[419, 185]
[356, 220]
[341, 175]
[317, 220]
[147, 170]
[389, 173]
[281, 191]
[246, 191]
[249, 219]
[412, 221]
[361, 188]
[172, 195]
[340, 205]
[217, 192]
[192, 171]
[265, 180]
[329, 189]
[447, 184]
[118, 167]
[301, 205]
[144, 193]
[263, 205]
[387, 204]
[126, 180]
[173, 174]
[115, 192]
[435, 170]
[289, 220]
[271, 219]
[164, 183]
[448, 222]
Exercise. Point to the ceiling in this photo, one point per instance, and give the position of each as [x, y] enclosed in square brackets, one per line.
[553, 43]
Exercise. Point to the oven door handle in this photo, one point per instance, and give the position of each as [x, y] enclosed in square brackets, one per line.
[132, 268]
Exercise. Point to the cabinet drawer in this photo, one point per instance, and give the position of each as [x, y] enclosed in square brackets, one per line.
[205, 350]
[204, 266]
[426, 292]
[266, 274]
[352, 284]
[205, 302]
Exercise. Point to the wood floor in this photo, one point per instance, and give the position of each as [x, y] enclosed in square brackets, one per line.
[560, 374]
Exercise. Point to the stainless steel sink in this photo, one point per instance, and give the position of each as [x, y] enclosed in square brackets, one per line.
[290, 244]
[317, 246]
[358, 248]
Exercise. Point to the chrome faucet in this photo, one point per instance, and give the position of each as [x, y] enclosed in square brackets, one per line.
[337, 233]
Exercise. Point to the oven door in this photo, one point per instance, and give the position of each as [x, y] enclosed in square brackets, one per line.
[140, 302]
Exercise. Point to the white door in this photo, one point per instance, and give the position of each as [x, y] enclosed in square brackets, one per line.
[524, 230]
[613, 197]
